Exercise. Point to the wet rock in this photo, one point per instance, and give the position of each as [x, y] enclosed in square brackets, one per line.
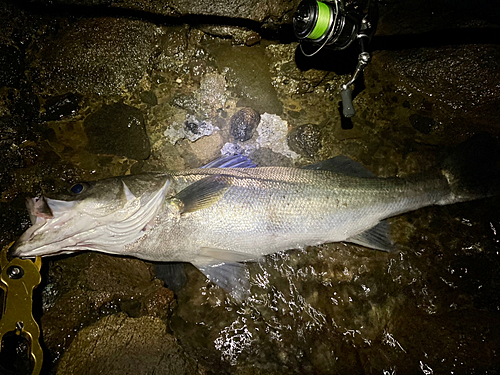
[243, 124]
[205, 149]
[82, 289]
[252, 39]
[208, 100]
[272, 13]
[118, 344]
[421, 123]
[25, 104]
[14, 220]
[174, 41]
[212, 92]
[273, 132]
[305, 140]
[459, 80]
[118, 129]
[195, 129]
[429, 23]
[248, 76]
[194, 126]
[102, 56]
[191, 129]
[238, 35]
[265, 157]
[11, 66]
[149, 97]
[16, 149]
[197, 69]
[60, 106]
[187, 102]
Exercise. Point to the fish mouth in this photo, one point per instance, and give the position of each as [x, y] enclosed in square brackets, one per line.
[39, 209]
[46, 215]
[18, 250]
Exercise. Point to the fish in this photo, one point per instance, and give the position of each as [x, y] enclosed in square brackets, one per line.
[230, 211]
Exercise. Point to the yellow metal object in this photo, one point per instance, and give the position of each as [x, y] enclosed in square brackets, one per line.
[18, 279]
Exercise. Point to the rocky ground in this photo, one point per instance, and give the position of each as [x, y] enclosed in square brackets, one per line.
[97, 89]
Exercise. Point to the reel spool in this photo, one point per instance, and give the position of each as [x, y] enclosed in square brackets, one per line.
[319, 24]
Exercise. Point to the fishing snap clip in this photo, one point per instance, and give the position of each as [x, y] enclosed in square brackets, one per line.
[18, 279]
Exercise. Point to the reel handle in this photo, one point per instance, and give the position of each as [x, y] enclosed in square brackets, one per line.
[346, 91]
[347, 106]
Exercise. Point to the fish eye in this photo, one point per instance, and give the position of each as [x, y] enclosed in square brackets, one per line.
[77, 188]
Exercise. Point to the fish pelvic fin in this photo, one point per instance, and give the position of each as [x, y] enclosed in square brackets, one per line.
[232, 277]
[225, 268]
[473, 169]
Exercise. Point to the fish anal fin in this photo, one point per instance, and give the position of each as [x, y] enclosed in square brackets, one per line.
[201, 194]
[378, 238]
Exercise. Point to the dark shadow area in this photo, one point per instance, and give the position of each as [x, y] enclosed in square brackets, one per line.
[324, 60]
[173, 275]
[15, 355]
[340, 62]
[436, 38]
[85, 11]
[344, 62]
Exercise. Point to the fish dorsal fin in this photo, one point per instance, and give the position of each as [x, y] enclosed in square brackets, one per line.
[343, 165]
[201, 194]
[235, 161]
[378, 237]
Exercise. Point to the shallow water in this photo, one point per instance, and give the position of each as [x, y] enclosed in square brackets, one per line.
[429, 308]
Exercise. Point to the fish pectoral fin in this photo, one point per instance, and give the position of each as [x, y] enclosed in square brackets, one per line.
[201, 194]
[232, 277]
[343, 165]
[378, 237]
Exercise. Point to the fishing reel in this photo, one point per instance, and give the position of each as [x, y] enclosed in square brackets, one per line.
[336, 25]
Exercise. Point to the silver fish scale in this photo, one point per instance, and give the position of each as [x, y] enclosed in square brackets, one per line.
[265, 210]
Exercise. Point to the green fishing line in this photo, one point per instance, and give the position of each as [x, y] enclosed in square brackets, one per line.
[322, 22]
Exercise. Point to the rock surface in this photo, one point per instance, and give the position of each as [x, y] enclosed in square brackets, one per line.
[118, 129]
[118, 345]
[273, 12]
[243, 124]
[81, 290]
[96, 56]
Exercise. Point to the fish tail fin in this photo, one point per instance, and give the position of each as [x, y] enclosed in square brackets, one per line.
[473, 169]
